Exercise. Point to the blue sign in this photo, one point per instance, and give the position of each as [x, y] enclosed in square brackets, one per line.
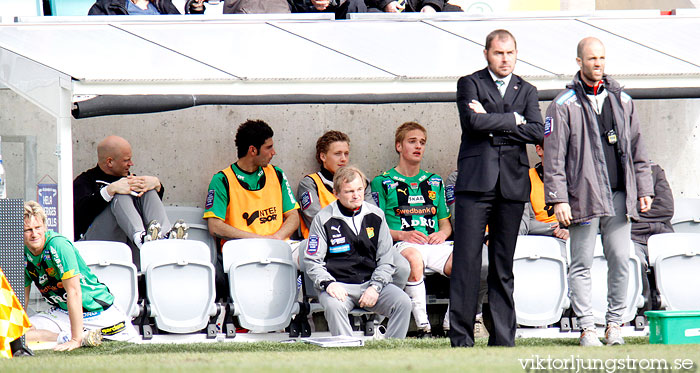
[47, 196]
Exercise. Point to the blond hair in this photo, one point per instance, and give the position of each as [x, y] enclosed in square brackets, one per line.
[31, 209]
[347, 174]
[404, 129]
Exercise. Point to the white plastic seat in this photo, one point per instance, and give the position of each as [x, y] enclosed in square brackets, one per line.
[686, 215]
[111, 262]
[262, 282]
[541, 287]
[599, 285]
[198, 226]
[676, 264]
[179, 284]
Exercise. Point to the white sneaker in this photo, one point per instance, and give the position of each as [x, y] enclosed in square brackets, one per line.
[589, 338]
[424, 331]
[92, 338]
[379, 332]
[152, 232]
[613, 335]
[446, 320]
[480, 330]
[179, 230]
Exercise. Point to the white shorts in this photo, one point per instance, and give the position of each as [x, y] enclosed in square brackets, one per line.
[113, 323]
[294, 245]
[434, 256]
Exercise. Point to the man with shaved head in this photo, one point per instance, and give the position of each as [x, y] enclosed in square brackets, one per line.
[596, 175]
[112, 204]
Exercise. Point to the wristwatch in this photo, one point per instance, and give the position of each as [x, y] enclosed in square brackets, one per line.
[377, 288]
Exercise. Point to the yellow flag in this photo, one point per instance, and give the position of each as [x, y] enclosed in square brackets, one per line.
[13, 320]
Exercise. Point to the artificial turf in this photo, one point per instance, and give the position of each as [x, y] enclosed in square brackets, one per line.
[433, 355]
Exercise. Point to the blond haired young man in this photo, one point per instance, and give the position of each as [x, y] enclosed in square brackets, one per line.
[82, 308]
[414, 203]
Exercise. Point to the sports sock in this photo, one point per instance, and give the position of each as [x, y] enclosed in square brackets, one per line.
[416, 291]
[63, 337]
[446, 320]
[138, 238]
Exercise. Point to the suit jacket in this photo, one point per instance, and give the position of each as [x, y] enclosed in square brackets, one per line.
[481, 162]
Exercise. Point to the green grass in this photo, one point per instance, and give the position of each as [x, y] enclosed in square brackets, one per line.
[376, 356]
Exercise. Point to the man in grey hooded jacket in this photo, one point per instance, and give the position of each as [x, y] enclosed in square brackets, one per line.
[595, 172]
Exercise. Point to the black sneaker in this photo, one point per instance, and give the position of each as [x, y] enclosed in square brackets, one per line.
[424, 334]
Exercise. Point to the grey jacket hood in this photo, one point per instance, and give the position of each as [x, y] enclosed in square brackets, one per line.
[574, 163]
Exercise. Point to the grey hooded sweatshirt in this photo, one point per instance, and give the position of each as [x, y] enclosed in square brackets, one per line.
[574, 164]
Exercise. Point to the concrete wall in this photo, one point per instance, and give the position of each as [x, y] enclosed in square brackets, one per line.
[186, 147]
[19, 118]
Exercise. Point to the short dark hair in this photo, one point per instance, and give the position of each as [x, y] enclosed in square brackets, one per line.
[324, 142]
[501, 34]
[252, 132]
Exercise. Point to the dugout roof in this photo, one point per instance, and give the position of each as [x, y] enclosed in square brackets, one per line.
[374, 58]
[88, 66]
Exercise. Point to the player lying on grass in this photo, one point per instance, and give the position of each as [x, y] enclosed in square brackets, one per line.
[82, 308]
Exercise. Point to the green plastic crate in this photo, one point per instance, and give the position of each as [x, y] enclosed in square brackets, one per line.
[674, 327]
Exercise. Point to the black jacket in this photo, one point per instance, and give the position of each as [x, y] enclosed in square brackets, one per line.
[411, 5]
[87, 200]
[658, 218]
[493, 146]
[352, 247]
[118, 8]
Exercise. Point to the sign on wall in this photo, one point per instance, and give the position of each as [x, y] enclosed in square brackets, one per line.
[47, 196]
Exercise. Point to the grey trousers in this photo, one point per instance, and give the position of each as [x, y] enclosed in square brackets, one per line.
[615, 234]
[127, 215]
[642, 252]
[392, 303]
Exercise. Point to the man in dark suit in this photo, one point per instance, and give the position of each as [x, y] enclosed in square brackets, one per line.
[499, 114]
